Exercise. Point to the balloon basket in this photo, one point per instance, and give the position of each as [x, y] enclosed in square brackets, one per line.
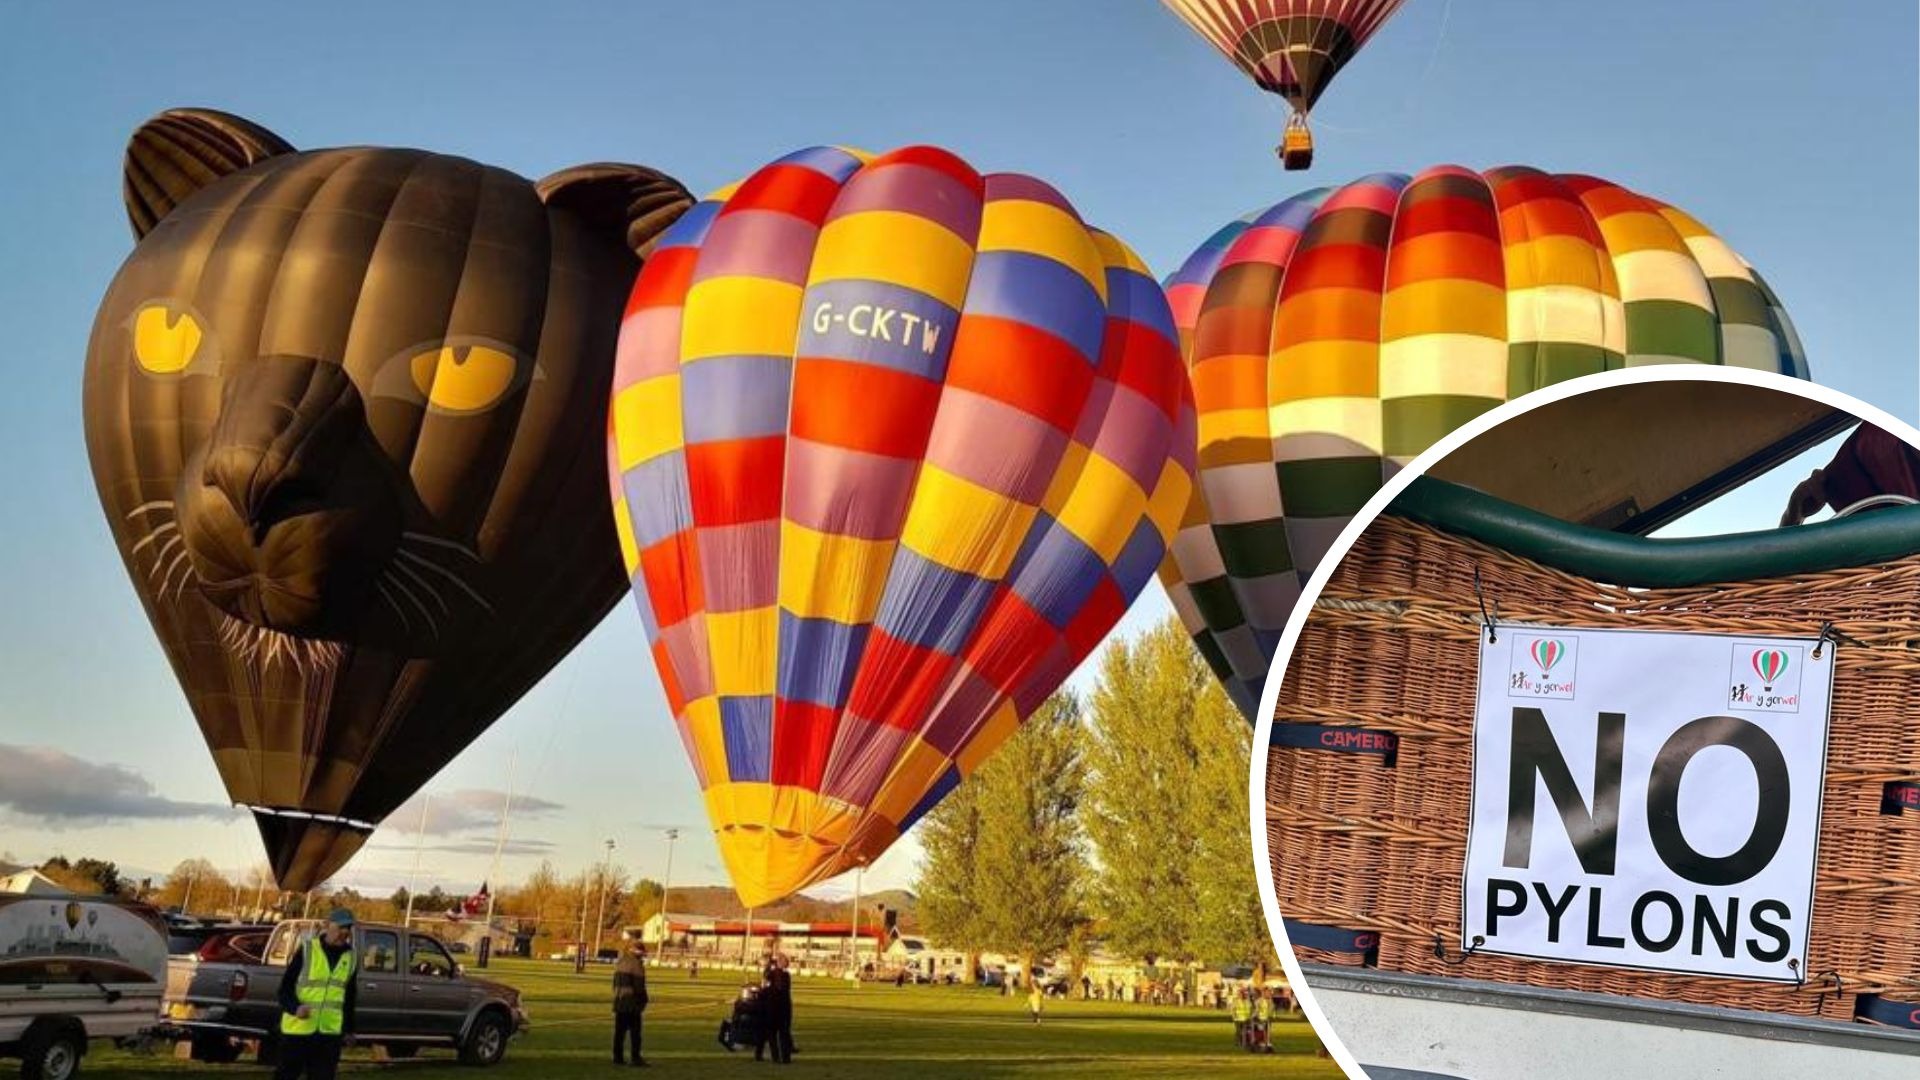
[1376, 842]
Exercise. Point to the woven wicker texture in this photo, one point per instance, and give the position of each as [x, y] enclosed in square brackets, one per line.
[1392, 644]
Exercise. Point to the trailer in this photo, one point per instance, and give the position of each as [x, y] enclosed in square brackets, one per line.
[73, 969]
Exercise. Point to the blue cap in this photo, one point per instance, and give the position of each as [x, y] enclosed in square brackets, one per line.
[341, 917]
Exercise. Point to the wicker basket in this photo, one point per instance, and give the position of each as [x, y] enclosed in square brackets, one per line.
[1373, 845]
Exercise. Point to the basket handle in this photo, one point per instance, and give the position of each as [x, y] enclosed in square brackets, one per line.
[1641, 562]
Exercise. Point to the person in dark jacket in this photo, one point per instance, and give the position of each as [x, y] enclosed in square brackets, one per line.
[629, 1002]
[317, 996]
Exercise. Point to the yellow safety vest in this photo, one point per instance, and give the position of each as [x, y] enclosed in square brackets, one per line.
[323, 990]
[1241, 1010]
[1262, 1009]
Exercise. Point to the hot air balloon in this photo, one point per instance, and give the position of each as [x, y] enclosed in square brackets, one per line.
[893, 445]
[1337, 334]
[73, 915]
[1292, 48]
[343, 412]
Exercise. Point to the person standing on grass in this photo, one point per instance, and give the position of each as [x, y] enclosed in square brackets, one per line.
[317, 1001]
[782, 1013]
[1242, 1014]
[629, 1002]
[1034, 998]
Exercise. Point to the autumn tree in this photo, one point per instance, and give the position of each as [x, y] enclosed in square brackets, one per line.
[194, 883]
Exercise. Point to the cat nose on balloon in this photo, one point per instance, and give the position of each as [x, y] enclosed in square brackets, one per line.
[284, 421]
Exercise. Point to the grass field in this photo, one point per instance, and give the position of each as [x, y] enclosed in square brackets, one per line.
[926, 1033]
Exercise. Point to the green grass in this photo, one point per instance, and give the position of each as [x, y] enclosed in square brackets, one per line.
[926, 1033]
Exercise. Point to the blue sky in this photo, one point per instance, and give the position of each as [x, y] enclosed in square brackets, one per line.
[1791, 134]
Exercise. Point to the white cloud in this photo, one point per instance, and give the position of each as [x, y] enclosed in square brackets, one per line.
[58, 789]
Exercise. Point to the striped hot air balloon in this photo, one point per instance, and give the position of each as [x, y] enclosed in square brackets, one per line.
[894, 444]
[1337, 334]
[1292, 48]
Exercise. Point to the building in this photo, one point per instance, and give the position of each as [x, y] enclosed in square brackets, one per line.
[926, 963]
[701, 936]
[26, 879]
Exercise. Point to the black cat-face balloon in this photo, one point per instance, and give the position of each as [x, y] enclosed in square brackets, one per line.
[346, 412]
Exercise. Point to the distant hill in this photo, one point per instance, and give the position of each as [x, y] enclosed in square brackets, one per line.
[719, 902]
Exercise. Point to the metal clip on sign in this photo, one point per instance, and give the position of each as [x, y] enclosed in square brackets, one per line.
[1486, 617]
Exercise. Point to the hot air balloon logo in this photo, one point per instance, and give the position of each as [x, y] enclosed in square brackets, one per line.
[1769, 664]
[1547, 652]
[73, 914]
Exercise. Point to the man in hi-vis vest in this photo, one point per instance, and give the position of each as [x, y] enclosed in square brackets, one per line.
[316, 1002]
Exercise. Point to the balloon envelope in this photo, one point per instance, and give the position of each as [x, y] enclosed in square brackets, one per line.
[893, 445]
[1292, 48]
[343, 411]
[1335, 335]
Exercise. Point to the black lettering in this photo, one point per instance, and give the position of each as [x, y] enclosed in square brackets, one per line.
[1781, 942]
[1663, 800]
[1596, 939]
[1676, 921]
[1536, 753]
[1705, 919]
[1496, 886]
[1554, 911]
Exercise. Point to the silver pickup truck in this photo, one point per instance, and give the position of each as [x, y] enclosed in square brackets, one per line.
[411, 994]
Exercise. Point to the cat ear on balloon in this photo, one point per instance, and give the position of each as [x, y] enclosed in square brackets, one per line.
[630, 201]
[177, 153]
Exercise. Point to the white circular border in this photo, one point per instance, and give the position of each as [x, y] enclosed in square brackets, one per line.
[1270, 694]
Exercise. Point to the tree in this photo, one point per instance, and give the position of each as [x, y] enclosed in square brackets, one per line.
[86, 876]
[1144, 758]
[194, 883]
[1031, 856]
[1229, 924]
[949, 883]
[1168, 802]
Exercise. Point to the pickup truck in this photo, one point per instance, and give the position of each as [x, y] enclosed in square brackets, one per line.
[411, 994]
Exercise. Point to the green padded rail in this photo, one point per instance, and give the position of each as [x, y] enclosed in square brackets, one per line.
[1637, 562]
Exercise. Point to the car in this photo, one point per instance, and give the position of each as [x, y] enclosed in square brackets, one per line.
[411, 995]
[459, 948]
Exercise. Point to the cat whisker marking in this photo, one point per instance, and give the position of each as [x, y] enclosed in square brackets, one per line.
[179, 560]
[449, 575]
[426, 585]
[158, 504]
[380, 585]
[164, 528]
[160, 555]
[433, 626]
[440, 542]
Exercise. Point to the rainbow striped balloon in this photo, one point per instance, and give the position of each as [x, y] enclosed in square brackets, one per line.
[893, 445]
[1334, 336]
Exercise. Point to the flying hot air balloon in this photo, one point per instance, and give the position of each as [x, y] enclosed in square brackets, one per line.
[1292, 48]
[893, 445]
[343, 409]
[1337, 334]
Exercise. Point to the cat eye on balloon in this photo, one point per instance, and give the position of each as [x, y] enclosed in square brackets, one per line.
[458, 376]
[170, 340]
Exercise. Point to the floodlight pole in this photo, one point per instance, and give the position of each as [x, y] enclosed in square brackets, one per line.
[419, 840]
[499, 845]
[666, 889]
[853, 938]
[606, 872]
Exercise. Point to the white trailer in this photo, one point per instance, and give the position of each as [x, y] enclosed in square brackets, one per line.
[75, 968]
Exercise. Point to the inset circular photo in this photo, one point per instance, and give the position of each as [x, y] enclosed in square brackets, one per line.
[1592, 748]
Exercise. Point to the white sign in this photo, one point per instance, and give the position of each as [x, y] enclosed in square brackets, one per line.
[1647, 800]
